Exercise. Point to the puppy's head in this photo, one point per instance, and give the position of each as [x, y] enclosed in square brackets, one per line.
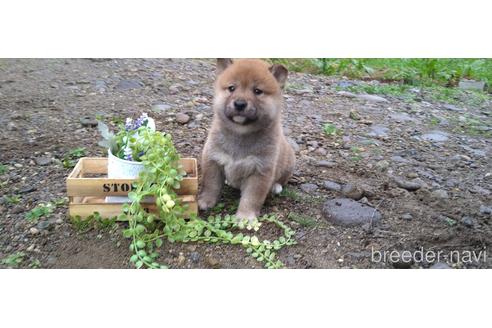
[248, 94]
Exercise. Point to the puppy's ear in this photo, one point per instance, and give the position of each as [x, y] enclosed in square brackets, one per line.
[222, 64]
[280, 73]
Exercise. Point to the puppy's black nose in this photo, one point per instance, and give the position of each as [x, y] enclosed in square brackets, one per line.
[240, 104]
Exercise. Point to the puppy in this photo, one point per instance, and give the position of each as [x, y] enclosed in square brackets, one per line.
[246, 146]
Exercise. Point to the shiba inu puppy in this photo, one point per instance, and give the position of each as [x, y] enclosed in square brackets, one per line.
[246, 146]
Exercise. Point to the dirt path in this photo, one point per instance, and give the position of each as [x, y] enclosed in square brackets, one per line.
[384, 141]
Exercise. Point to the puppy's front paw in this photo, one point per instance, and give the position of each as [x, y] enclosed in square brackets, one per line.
[242, 215]
[206, 202]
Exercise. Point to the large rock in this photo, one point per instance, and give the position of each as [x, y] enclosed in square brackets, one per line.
[348, 212]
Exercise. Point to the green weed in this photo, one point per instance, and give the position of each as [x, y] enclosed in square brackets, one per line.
[70, 158]
[3, 169]
[13, 260]
[303, 220]
[12, 199]
[39, 211]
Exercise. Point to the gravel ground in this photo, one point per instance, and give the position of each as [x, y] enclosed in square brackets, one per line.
[405, 168]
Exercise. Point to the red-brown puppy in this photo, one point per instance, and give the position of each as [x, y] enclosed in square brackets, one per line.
[246, 146]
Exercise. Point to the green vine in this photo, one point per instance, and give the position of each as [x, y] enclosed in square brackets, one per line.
[148, 231]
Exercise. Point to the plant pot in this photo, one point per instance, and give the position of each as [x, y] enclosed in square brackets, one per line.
[121, 169]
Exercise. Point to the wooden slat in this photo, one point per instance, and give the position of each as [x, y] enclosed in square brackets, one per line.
[107, 210]
[78, 186]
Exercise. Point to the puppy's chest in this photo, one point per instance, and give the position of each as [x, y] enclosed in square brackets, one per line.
[236, 169]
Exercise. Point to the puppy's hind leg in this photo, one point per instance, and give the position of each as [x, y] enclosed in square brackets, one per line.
[212, 182]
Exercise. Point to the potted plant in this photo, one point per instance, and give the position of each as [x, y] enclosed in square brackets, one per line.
[125, 150]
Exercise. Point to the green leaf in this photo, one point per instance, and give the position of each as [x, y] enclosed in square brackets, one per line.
[132, 196]
[134, 258]
[237, 239]
[158, 242]
[140, 244]
[255, 241]
[245, 240]
[127, 233]
[140, 228]
[141, 253]
[139, 264]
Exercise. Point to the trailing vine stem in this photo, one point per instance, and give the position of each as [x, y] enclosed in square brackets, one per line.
[160, 178]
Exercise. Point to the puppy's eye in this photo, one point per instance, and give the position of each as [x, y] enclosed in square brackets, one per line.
[257, 91]
[231, 88]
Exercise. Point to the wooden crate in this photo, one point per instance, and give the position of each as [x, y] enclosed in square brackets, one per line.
[88, 186]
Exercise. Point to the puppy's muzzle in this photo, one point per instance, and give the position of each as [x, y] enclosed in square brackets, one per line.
[241, 112]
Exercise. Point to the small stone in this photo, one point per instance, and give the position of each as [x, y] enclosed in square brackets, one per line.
[332, 186]
[175, 89]
[378, 131]
[51, 260]
[407, 217]
[17, 209]
[309, 188]
[100, 86]
[59, 221]
[321, 151]
[181, 259]
[11, 126]
[212, 262]
[354, 115]
[42, 161]
[372, 98]
[161, 107]
[346, 94]
[18, 165]
[467, 221]
[348, 212]
[182, 118]
[440, 265]
[485, 209]
[27, 189]
[31, 248]
[352, 191]
[198, 117]
[326, 164]
[195, 257]
[412, 175]
[124, 85]
[43, 225]
[479, 190]
[440, 193]
[88, 121]
[382, 165]
[408, 185]
[33, 231]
